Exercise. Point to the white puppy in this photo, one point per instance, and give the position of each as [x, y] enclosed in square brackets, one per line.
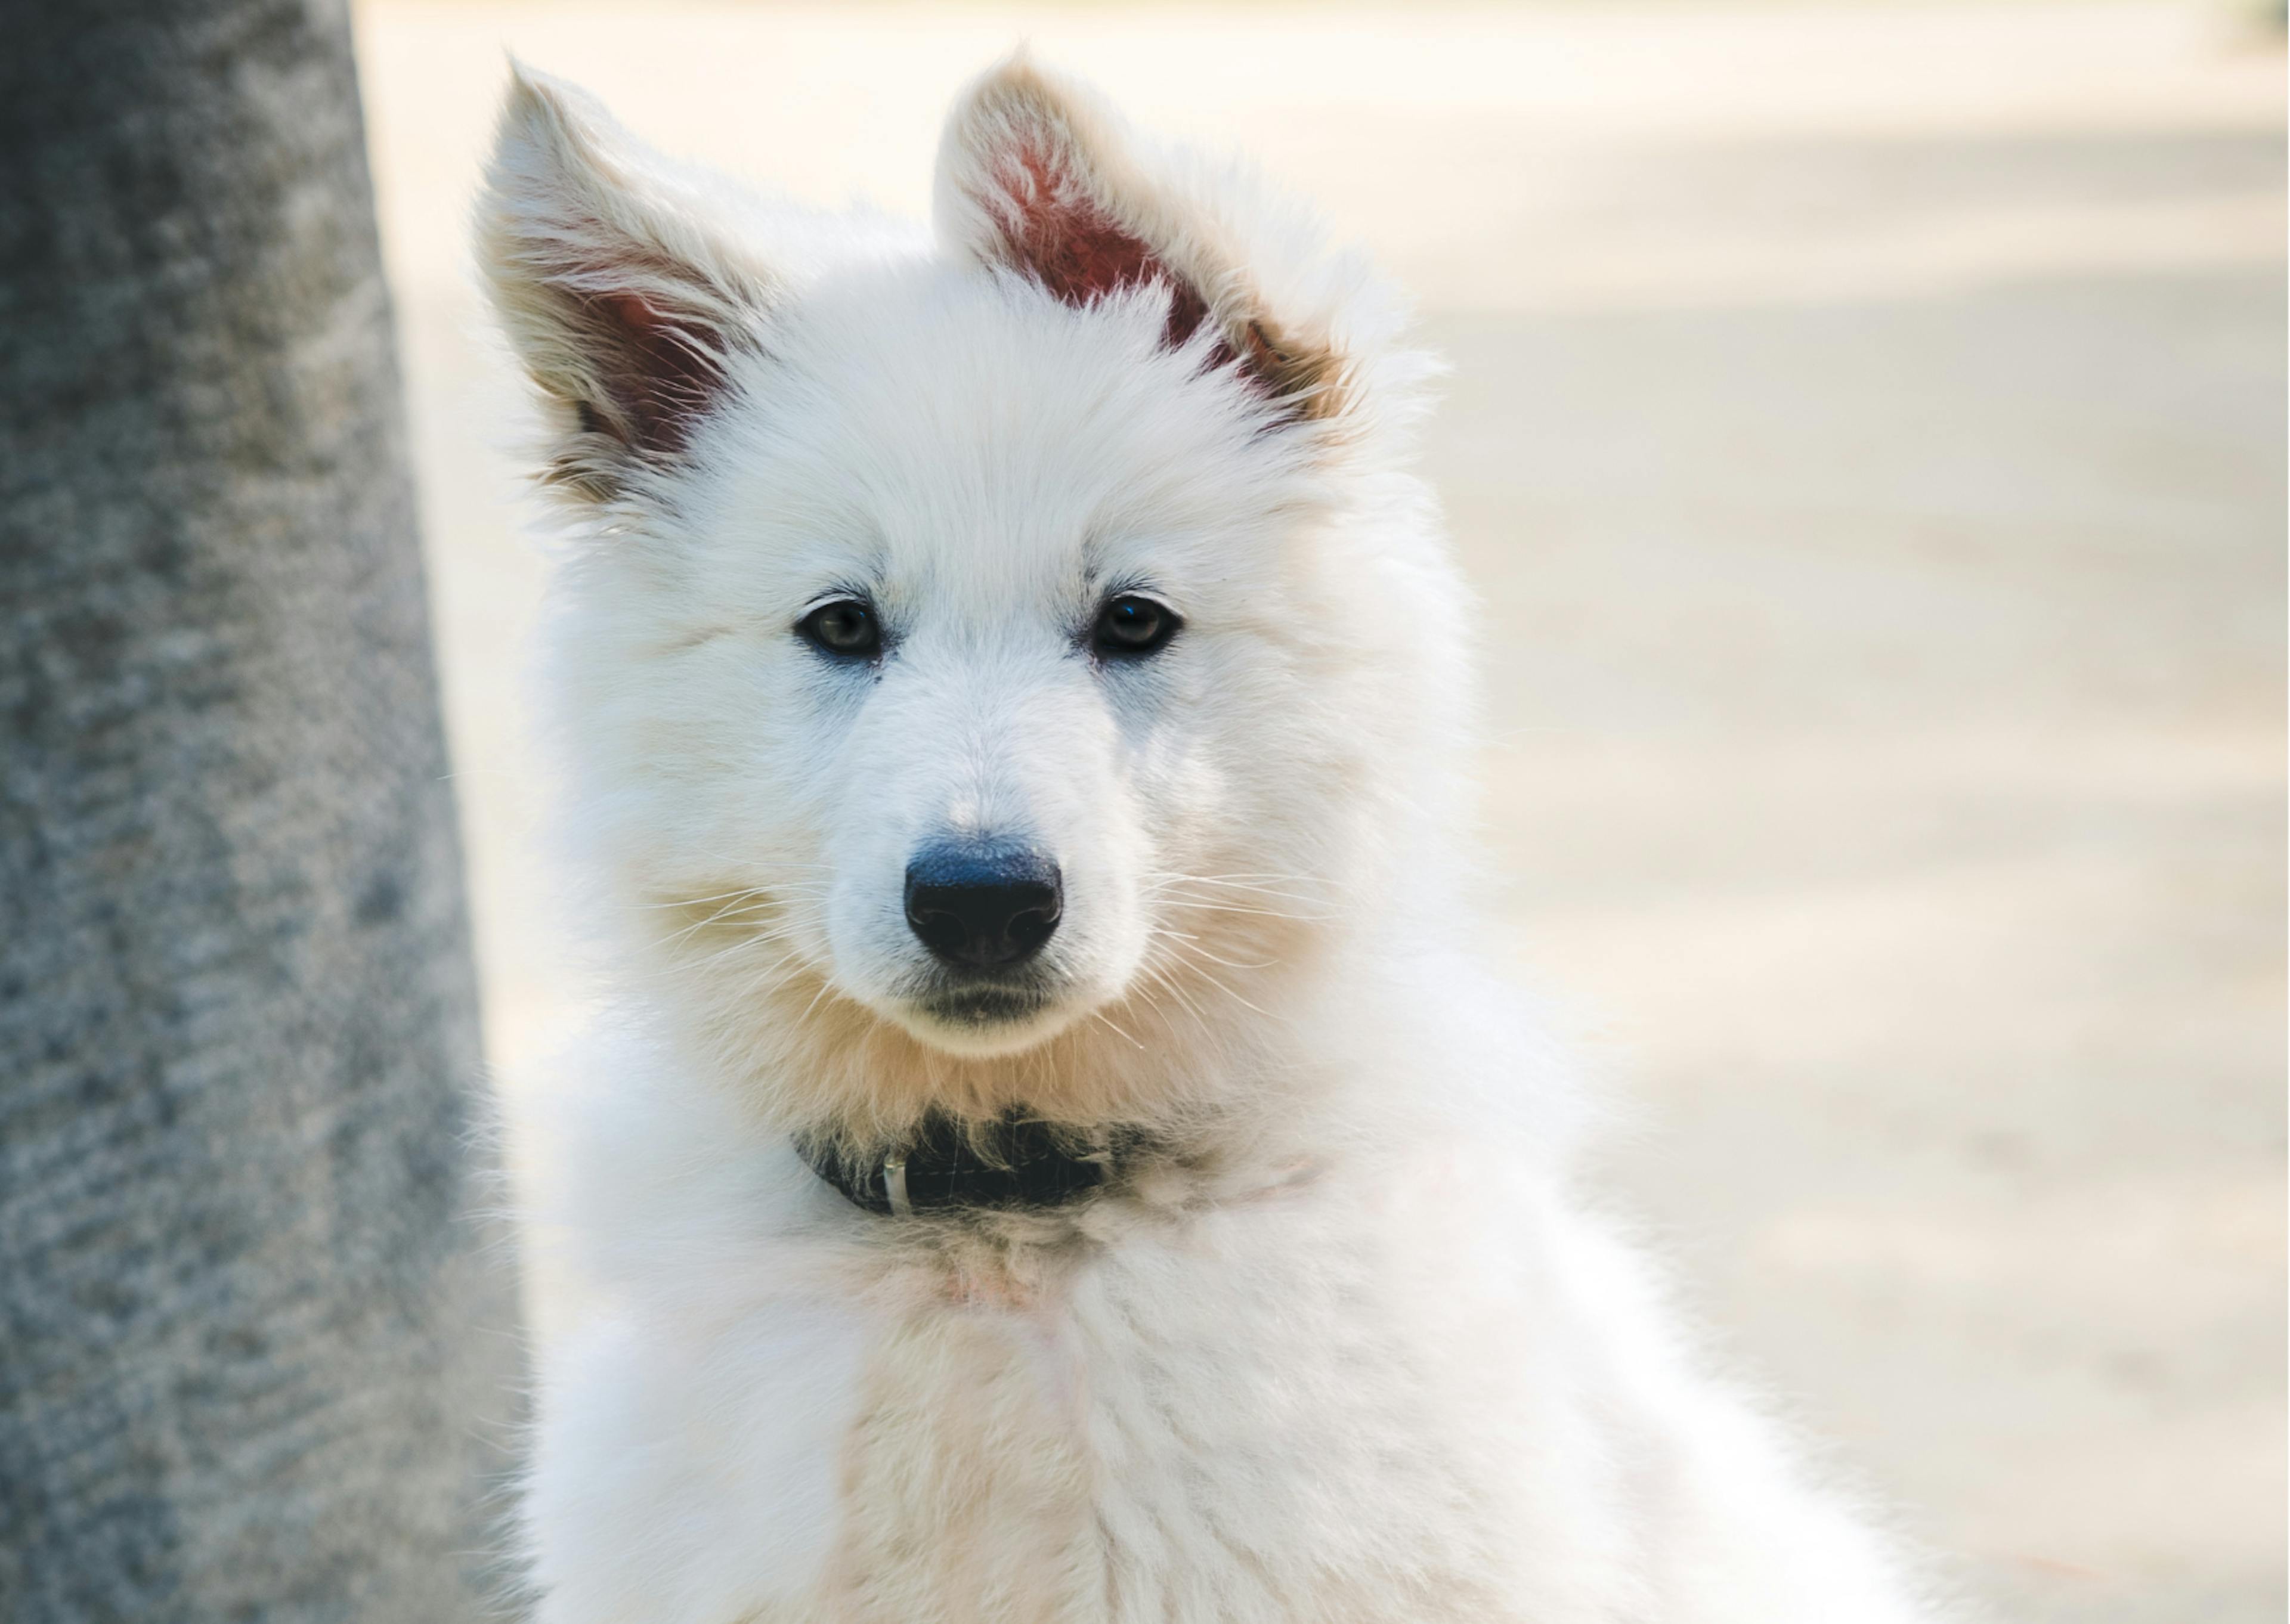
[1058, 1155]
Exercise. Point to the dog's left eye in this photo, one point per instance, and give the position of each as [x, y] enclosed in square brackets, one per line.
[1133, 624]
[846, 628]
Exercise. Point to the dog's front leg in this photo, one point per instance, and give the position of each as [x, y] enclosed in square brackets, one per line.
[688, 1474]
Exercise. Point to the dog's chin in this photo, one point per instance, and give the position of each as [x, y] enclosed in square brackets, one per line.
[983, 1021]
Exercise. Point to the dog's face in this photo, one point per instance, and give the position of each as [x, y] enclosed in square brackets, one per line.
[1001, 586]
[981, 645]
[973, 623]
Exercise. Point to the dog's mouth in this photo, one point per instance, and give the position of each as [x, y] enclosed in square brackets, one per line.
[983, 1008]
[984, 1015]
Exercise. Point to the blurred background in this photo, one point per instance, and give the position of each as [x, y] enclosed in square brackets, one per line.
[1866, 438]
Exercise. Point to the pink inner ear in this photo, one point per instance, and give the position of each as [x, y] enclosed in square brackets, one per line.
[1070, 245]
[1061, 238]
[659, 381]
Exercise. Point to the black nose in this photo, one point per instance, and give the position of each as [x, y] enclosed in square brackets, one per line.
[982, 906]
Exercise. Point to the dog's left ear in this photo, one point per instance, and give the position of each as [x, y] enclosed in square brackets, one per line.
[1036, 174]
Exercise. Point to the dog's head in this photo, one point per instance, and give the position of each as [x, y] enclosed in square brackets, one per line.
[989, 664]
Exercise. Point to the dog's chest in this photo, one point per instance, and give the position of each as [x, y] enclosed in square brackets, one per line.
[965, 1478]
[1198, 1431]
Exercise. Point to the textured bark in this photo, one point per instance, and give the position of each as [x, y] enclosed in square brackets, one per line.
[256, 1355]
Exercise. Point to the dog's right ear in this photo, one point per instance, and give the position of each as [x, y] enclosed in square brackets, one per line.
[624, 306]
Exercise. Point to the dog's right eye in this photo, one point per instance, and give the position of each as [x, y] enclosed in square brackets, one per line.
[846, 629]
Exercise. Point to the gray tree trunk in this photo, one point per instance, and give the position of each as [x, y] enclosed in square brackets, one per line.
[257, 1359]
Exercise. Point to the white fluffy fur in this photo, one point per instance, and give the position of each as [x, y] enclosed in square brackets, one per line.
[1344, 1348]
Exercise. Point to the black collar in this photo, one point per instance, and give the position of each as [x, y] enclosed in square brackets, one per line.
[1017, 1163]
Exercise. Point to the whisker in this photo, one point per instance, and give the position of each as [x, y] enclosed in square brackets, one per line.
[745, 945]
[1228, 962]
[1245, 882]
[1208, 907]
[741, 891]
[1199, 1018]
[1215, 981]
[744, 890]
[1101, 1015]
[728, 912]
[824, 984]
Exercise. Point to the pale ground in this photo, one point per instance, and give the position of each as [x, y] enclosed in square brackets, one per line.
[1867, 438]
